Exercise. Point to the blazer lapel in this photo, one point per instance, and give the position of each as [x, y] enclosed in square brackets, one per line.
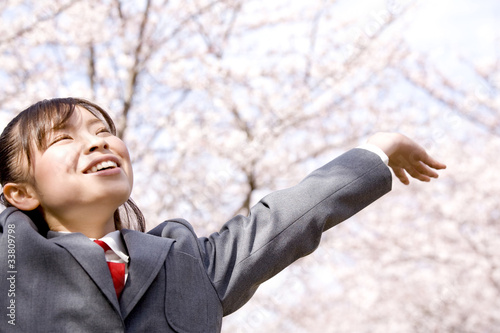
[147, 255]
[86, 253]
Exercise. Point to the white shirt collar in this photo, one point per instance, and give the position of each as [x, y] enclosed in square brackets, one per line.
[115, 242]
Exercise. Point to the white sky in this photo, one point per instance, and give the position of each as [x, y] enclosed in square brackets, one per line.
[466, 27]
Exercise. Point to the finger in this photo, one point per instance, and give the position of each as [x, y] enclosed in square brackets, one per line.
[433, 163]
[425, 170]
[420, 172]
[416, 169]
[401, 174]
[415, 173]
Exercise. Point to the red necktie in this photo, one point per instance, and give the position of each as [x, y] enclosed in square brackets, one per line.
[117, 270]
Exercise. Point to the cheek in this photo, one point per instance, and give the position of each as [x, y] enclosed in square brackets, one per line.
[52, 166]
[122, 151]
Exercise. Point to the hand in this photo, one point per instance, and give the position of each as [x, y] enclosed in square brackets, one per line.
[406, 156]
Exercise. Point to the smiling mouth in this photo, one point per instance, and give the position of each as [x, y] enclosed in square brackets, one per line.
[102, 166]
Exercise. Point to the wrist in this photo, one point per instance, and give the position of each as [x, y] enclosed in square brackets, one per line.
[387, 142]
[376, 150]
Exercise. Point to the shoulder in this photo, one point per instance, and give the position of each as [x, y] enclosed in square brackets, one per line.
[12, 218]
[9, 214]
[182, 234]
[172, 228]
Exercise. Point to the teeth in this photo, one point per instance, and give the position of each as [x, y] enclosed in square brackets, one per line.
[103, 165]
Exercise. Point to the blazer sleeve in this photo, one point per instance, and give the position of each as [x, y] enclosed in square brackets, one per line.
[287, 225]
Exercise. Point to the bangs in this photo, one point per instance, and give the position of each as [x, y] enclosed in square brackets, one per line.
[43, 121]
[36, 123]
[31, 129]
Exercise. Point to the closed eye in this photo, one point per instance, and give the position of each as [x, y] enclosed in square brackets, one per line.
[103, 130]
[60, 138]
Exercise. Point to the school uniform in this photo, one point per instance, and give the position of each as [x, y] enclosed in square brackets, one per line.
[176, 281]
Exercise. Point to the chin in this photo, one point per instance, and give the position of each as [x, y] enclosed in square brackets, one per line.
[115, 199]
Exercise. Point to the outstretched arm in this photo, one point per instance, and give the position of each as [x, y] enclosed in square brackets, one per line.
[406, 156]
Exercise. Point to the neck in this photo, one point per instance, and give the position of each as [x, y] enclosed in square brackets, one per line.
[90, 227]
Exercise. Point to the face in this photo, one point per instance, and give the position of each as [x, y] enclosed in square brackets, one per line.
[85, 173]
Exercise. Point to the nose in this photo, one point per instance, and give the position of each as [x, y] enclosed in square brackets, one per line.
[97, 143]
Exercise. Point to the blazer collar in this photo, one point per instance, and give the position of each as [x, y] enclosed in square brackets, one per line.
[85, 252]
[147, 255]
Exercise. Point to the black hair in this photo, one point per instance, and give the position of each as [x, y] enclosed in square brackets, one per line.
[29, 130]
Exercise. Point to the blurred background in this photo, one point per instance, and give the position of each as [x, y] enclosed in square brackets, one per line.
[222, 101]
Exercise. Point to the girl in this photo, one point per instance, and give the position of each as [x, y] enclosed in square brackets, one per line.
[66, 181]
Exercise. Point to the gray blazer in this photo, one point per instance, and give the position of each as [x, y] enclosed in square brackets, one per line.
[178, 282]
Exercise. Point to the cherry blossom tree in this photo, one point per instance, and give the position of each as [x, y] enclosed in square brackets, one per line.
[223, 101]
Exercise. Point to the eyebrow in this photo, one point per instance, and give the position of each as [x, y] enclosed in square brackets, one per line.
[94, 121]
[88, 123]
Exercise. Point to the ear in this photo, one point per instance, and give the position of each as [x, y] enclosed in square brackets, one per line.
[21, 196]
